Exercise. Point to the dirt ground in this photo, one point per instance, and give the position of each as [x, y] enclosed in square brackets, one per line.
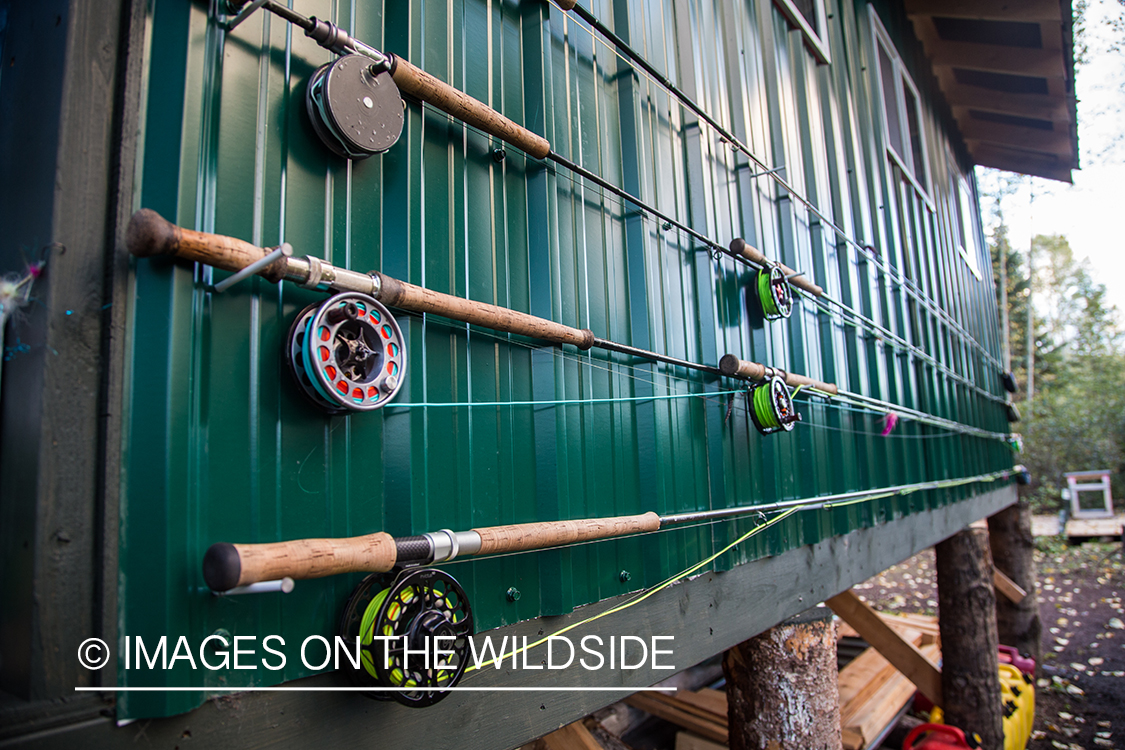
[1080, 700]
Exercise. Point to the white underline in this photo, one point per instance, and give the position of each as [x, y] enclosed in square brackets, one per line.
[279, 689]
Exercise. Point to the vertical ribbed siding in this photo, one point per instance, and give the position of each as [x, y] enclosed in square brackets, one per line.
[220, 446]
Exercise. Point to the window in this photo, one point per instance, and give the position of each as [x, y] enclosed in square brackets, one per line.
[902, 114]
[810, 18]
[964, 220]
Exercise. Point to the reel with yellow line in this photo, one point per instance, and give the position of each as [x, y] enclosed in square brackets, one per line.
[414, 629]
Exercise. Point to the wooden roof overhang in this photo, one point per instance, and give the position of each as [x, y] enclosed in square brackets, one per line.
[1006, 68]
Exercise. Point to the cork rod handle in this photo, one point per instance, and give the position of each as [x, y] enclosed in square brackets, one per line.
[228, 565]
[151, 235]
[739, 246]
[527, 536]
[421, 85]
[406, 296]
[733, 367]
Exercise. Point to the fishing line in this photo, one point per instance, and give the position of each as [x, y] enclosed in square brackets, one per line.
[625, 53]
[782, 515]
[865, 403]
[820, 302]
[638, 599]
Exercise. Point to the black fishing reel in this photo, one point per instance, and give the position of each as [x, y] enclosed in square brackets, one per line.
[355, 107]
[771, 406]
[414, 627]
[347, 354]
[774, 294]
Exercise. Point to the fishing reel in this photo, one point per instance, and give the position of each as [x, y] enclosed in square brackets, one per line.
[414, 627]
[774, 293]
[1008, 380]
[355, 107]
[346, 354]
[771, 406]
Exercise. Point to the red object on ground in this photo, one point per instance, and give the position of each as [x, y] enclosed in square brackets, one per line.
[940, 737]
[1025, 664]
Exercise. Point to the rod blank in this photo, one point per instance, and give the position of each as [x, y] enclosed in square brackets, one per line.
[733, 367]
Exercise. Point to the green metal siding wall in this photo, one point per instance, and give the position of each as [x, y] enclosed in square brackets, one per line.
[219, 445]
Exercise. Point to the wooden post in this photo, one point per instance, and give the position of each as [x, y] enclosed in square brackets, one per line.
[1013, 552]
[782, 691]
[967, 619]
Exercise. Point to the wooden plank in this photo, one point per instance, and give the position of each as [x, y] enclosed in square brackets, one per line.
[997, 58]
[852, 740]
[571, 737]
[1043, 165]
[868, 720]
[904, 655]
[713, 701]
[681, 714]
[1006, 586]
[926, 624]
[993, 10]
[689, 741]
[1095, 526]
[1051, 141]
[864, 677]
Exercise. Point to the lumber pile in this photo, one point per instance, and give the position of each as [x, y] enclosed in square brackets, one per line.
[872, 693]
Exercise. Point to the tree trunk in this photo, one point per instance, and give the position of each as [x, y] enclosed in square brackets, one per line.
[1013, 552]
[782, 690]
[967, 619]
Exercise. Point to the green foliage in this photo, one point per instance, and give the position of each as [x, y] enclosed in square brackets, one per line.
[1076, 418]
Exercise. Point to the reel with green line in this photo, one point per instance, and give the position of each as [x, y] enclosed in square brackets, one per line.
[771, 406]
[773, 292]
[346, 354]
[403, 619]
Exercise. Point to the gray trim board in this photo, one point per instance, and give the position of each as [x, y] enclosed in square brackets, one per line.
[706, 614]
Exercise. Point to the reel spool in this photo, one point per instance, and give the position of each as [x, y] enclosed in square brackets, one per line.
[771, 406]
[774, 294]
[419, 604]
[347, 354]
[356, 112]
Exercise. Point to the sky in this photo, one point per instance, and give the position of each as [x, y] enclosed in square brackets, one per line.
[1090, 212]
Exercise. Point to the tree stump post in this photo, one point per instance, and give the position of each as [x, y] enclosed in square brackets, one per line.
[1013, 552]
[967, 620]
[782, 691]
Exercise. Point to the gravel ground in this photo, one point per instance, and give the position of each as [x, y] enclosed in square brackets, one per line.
[1080, 700]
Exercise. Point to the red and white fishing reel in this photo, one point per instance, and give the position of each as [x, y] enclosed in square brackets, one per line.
[347, 354]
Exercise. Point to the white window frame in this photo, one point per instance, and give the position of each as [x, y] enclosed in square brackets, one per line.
[965, 215]
[901, 78]
[818, 46]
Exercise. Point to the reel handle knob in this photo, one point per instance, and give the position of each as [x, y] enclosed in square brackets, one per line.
[150, 235]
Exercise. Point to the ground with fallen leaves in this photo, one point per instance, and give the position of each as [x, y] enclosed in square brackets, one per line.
[1080, 700]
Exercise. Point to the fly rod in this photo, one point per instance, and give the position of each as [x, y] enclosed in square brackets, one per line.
[640, 61]
[354, 106]
[226, 566]
[150, 235]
